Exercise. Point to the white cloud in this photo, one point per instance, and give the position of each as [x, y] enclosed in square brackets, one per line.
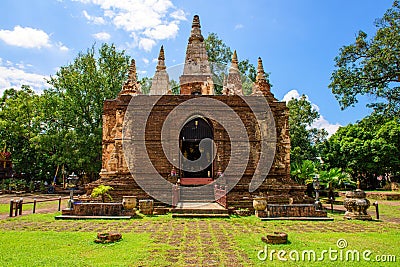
[178, 14]
[62, 47]
[321, 122]
[145, 60]
[93, 19]
[239, 26]
[147, 20]
[146, 44]
[290, 95]
[103, 36]
[161, 32]
[16, 76]
[27, 37]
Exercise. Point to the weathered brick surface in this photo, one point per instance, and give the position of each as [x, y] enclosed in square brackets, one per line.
[277, 187]
[299, 210]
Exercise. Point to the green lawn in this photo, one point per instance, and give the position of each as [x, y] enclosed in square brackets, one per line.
[49, 248]
[39, 240]
[377, 243]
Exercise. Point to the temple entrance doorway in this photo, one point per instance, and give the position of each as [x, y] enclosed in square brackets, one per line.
[193, 169]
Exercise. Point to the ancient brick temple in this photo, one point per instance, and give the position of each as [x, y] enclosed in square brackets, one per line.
[128, 173]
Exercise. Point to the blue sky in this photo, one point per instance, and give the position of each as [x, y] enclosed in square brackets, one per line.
[297, 39]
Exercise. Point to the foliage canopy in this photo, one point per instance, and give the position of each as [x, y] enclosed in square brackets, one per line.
[371, 66]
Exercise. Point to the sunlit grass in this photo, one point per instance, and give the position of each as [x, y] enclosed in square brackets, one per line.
[377, 243]
[40, 240]
[19, 248]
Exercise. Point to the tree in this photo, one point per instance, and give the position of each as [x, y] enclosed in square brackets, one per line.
[175, 87]
[367, 149]
[145, 83]
[218, 52]
[20, 122]
[371, 66]
[304, 139]
[75, 106]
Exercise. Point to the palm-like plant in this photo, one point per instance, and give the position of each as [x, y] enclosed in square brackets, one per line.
[335, 177]
[304, 173]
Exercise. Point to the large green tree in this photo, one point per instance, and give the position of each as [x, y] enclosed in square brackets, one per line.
[20, 122]
[74, 107]
[367, 149]
[371, 66]
[304, 139]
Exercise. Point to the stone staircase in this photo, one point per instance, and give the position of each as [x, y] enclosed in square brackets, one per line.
[194, 202]
[194, 194]
[199, 210]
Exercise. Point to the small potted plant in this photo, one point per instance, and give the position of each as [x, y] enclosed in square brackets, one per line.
[102, 191]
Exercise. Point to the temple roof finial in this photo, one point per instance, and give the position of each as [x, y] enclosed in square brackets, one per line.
[260, 70]
[262, 86]
[160, 82]
[161, 55]
[234, 57]
[131, 85]
[196, 32]
[196, 22]
[161, 60]
[132, 71]
[233, 82]
[234, 63]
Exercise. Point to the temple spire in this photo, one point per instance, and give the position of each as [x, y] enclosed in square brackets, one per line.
[161, 60]
[260, 71]
[132, 71]
[233, 82]
[160, 83]
[261, 85]
[197, 77]
[235, 62]
[131, 85]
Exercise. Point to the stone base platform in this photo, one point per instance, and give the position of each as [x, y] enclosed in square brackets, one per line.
[362, 217]
[98, 210]
[77, 217]
[294, 210]
[297, 218]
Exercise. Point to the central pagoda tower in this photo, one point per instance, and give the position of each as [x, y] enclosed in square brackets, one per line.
[197, 77]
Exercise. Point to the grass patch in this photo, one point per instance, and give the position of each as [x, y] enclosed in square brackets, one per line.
[378, 243]
[40, 240]
[4, 208]
[71, 249]
[387, 209]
